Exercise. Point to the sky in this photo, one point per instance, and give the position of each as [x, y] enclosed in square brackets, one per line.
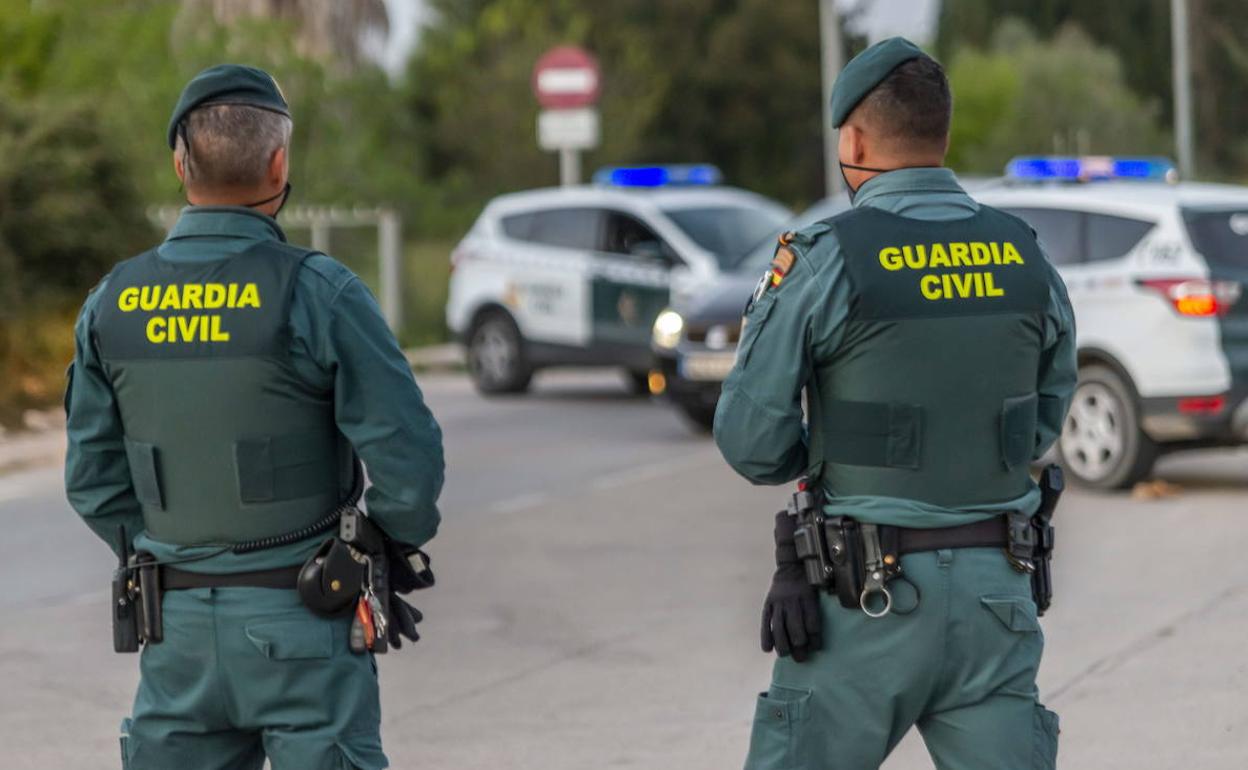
[915, 19]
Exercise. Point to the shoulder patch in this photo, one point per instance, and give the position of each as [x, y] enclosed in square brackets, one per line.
[781, 264]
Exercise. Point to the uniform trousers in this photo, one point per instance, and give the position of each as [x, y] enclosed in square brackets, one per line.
[957, 660]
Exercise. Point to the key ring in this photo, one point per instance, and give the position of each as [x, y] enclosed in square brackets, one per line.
[888, 601]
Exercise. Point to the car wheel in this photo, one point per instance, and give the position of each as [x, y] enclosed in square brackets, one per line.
[496, 359]
[1102, 445]
[638, 383]
[701, 417]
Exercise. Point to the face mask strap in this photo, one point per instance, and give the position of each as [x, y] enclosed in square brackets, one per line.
[284, 194]
[854, 190]
[868, 168]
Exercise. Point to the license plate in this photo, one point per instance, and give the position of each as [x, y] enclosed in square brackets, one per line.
[707, 366]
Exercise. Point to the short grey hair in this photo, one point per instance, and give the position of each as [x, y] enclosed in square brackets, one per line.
[231, 145]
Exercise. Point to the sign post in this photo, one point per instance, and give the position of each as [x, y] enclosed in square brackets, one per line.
[566, 83]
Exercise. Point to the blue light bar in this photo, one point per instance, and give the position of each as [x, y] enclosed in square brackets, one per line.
[1043, 168]
[658, 176]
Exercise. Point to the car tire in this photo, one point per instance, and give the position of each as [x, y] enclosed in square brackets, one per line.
[699, 416]
[1102, 445]
[496, 358]
[638, 383]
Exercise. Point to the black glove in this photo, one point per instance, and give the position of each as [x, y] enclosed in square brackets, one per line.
[792, 624]
[403, 620]
[409, 567]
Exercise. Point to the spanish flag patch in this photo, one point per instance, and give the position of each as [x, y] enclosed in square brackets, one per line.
[781, 264]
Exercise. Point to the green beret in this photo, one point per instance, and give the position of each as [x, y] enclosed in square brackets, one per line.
[228, 84]
[865, 71]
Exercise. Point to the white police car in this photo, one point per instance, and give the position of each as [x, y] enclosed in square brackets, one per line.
[1155, 270]
[577, 275]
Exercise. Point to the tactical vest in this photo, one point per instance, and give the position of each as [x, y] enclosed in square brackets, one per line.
[225, 442]
[932, 394]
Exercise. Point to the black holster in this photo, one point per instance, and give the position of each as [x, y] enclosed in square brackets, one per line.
[844, 539]
[830, 548]
[1052, 483]
[140, 618]
[125, 614]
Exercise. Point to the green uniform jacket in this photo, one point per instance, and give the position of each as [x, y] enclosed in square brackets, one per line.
[759, 422]
[340, 346]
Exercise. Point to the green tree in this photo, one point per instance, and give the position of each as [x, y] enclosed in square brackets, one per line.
[1138, 31]
[732, 82]
[1025, 95]
[68, 210]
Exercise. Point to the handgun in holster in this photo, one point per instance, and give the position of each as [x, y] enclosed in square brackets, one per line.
[1052, 484]
[830, 548]
[808, 535]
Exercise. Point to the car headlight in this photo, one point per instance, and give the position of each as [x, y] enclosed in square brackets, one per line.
[667, 329]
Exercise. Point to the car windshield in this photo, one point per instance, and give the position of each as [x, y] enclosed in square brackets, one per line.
[728, 232]
[1221, 235]
[760, 256]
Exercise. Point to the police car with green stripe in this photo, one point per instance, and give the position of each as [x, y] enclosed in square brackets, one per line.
[577, 275]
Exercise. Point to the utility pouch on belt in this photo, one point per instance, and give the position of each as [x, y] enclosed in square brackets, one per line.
[331, 580]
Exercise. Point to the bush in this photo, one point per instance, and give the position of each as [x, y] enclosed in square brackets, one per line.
[68, 211]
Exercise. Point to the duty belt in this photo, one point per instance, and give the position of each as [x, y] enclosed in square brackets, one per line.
[174, 579]
[856, 560]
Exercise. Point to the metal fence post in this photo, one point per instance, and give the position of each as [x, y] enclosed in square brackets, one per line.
[390, 247]
[320, 234]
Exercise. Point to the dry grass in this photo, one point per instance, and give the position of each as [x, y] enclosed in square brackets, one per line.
[34, 352]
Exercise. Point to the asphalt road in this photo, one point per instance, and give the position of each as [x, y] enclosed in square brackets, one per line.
[600, 571]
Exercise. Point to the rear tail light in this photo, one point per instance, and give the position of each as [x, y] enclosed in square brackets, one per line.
[1196, 297]
[1202, 405]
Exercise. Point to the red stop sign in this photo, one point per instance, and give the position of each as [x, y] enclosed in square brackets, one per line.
[565, 78]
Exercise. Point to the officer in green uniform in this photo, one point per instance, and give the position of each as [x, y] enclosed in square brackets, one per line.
[224, 384]
[935, 346]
